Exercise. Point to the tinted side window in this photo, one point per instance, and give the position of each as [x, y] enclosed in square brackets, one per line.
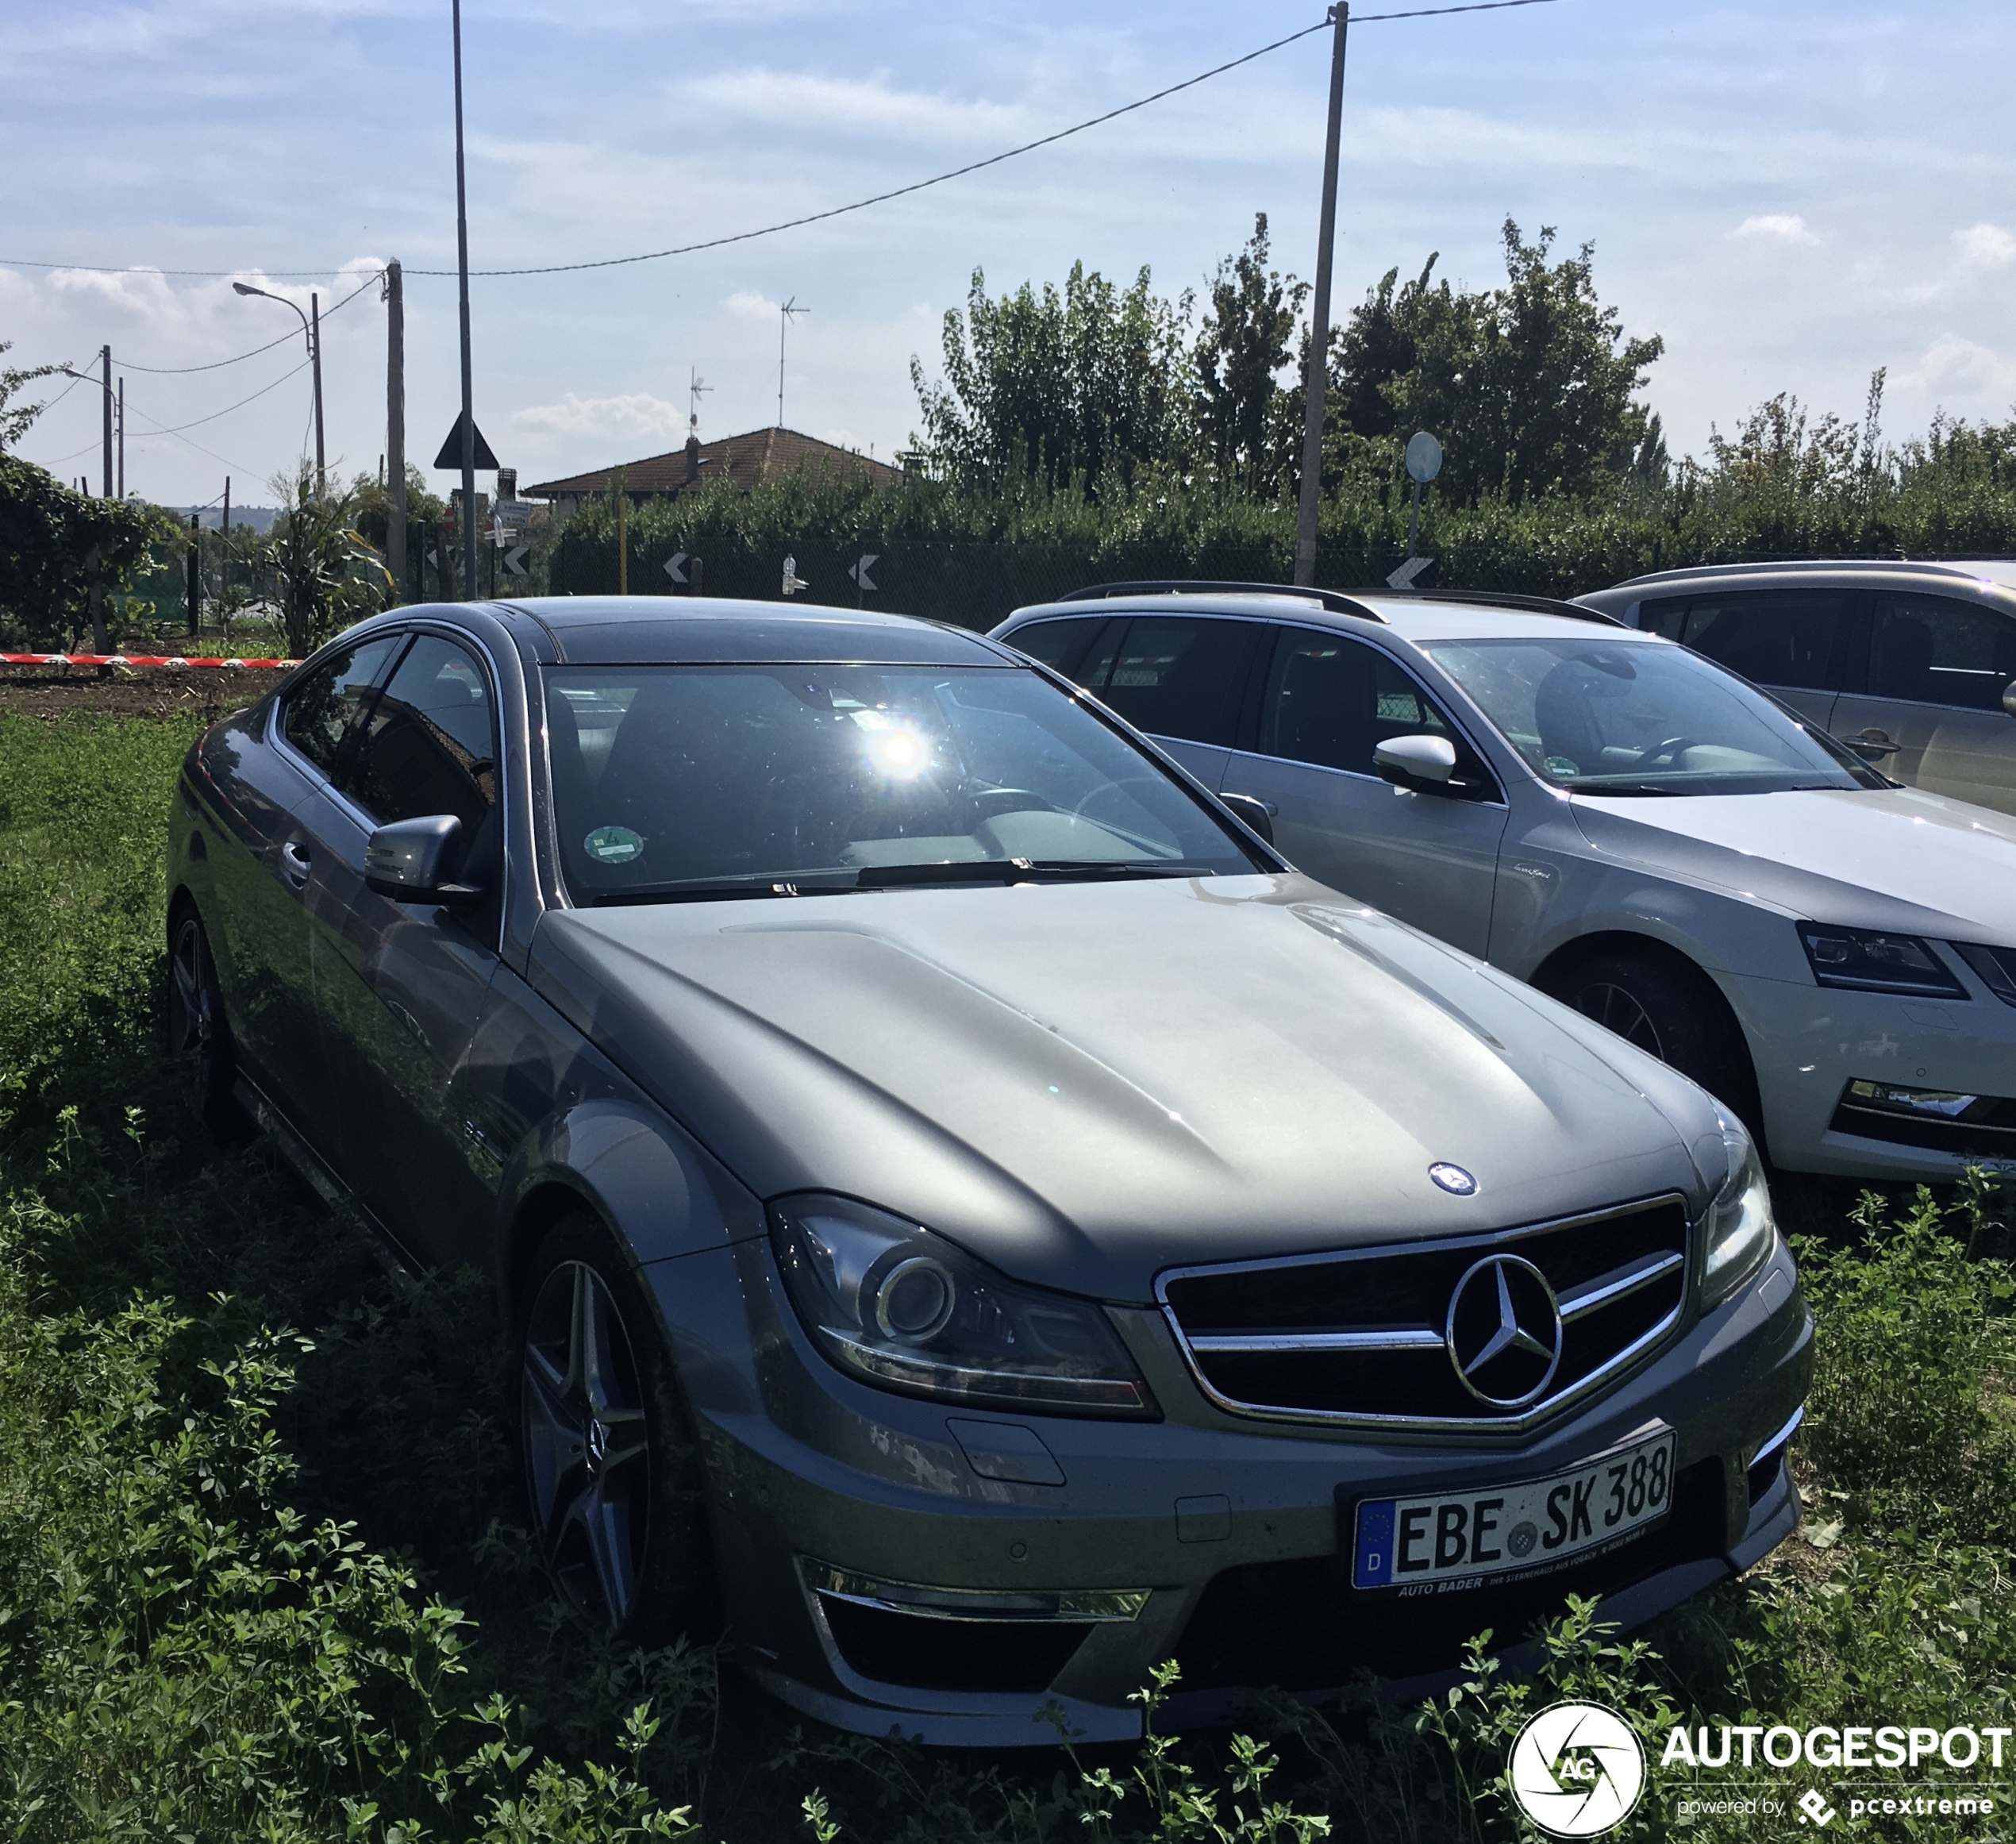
[1057, 644]
[1771, 637]
[1937, 649]
[1331, 701]
[1179, 677]
[323, 711]
[430, 744]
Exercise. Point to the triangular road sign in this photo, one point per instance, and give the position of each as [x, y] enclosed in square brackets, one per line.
[451, 454]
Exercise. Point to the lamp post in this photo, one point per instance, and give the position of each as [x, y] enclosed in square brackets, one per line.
[312, 331]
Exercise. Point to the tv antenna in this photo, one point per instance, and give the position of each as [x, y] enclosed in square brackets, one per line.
[783, 322]
[694, 391]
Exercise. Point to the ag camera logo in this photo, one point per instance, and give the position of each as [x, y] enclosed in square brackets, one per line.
[1577, 1769]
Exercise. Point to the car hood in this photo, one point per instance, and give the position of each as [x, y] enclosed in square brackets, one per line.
[1884, 858]
[1086, 1083]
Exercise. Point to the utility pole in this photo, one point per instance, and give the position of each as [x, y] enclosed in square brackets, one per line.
[105, 352]
[396, 429]
[195, 572]
[462, 267]
[783, 320]
[122, 438]
[1319, 328]
[315, 352]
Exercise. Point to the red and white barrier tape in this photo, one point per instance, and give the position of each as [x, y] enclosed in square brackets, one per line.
[131, 659]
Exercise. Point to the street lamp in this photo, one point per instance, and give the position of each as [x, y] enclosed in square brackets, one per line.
[311, 325]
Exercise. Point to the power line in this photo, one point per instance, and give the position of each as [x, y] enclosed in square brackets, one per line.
[859, 204]
[218, 365]
[240, 405]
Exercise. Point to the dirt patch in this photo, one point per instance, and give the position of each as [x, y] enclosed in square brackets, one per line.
[208, 691]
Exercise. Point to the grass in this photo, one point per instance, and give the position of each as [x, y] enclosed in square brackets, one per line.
[261, 1574]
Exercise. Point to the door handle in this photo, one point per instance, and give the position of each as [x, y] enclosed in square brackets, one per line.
[294, 863]
[1872, 743]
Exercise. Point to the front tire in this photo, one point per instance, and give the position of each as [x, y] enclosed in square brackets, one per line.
[1670, 1009]
[199, 1039]
[610, 1460]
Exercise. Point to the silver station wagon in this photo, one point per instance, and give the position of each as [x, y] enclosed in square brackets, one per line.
[972, 1222]
[1911, 665]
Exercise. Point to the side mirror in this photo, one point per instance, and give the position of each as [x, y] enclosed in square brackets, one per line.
[1424, 763]
[2009, 698]
[1257, 814]
[408, 861]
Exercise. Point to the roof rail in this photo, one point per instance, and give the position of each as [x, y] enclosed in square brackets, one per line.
[1330, 600]
[1494, 599]
[1769, 565]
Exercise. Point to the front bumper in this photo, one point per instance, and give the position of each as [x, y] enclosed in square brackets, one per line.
[1810, 1044]
[889, 1564]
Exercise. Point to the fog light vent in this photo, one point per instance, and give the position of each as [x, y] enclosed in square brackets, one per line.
[1003, 1641]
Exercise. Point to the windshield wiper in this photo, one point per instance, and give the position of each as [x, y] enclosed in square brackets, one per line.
[1630, 788]
[834, 882]
[1022, 871]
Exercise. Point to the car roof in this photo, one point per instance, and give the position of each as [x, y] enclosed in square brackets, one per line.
[635, 631]
[1411, 616]
[1974, 572]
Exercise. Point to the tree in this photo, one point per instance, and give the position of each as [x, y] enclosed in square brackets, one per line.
[1376, 348]
[326, 575]
[17, 418]
[1057, 387]
[62, 553]
[1249, 424]
[1531, 385]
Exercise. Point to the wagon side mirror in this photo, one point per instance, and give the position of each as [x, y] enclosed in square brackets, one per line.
[408, 861]
[1424, 763]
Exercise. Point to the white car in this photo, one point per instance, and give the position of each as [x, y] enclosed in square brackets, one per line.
[1616, 819]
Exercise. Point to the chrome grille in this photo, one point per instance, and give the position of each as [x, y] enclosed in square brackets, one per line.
[1362, 1336]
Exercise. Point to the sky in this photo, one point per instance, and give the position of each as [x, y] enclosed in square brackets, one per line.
[1792, 194]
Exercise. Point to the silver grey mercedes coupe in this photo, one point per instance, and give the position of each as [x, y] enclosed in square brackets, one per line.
[974, 1221]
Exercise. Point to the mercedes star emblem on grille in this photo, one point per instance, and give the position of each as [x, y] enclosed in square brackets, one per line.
[1504, 1331]
[1453, 1178]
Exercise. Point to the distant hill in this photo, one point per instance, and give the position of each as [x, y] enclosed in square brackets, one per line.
[259, 518]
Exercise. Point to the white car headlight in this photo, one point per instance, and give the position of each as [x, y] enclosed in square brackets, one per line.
[1740, 1226]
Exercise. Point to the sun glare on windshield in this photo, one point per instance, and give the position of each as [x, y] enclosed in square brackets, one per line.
[670, 778]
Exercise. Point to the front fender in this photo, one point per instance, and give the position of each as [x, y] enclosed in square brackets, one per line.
[658, 1190]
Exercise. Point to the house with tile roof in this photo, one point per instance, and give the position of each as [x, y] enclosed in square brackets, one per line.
[761, 455]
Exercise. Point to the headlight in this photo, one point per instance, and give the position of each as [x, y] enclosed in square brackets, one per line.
[1870, 961]
[1740, 1226]
[905, 1309]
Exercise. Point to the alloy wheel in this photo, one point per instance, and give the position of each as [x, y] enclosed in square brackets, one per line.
[1616, 1008]
[587, 1455]
[193, 1032]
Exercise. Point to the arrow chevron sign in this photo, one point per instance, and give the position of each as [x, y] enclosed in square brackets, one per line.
[514, 559]
[860, 572]
[675, 566]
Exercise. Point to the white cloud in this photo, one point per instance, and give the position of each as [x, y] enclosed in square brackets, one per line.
[1985, 246]
[1786, 227]
[1952, 364]
[636, 413]
[871, 105]
[748, 304]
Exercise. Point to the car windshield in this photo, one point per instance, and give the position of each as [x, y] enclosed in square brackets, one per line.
[685, 781]
[1609, 718]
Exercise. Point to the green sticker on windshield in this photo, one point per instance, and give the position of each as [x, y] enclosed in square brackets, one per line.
[613, 846]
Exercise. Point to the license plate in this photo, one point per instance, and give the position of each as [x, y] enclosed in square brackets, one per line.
[1455, 1539]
